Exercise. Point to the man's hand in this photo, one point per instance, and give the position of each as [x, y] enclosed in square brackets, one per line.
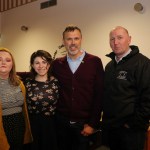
[87, 130]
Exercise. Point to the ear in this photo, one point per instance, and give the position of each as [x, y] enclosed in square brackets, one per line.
[129, 39]
[63, 42]
[32, 66]
[48, 65]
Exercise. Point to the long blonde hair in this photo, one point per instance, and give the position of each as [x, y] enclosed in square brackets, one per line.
[13, 78]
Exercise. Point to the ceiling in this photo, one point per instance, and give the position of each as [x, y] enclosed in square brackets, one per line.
[10, 4]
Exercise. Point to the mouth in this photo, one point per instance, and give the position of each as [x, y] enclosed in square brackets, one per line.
[3, 67]
[41, 69]
[72, 47]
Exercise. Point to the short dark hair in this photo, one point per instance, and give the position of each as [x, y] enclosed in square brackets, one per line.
[71, 28]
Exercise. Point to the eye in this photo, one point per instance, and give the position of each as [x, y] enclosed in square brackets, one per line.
[44, 62]
[8, 60]
[77, 38]
[120, 37]
[36, 62]
[112, 39]
[68, 39]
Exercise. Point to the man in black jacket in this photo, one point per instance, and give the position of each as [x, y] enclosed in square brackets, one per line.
[126, 106]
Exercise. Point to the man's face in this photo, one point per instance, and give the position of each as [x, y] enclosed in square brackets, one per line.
[72, 42]
[119, 41]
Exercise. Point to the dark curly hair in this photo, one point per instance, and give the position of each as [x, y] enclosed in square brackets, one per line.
[45, 56]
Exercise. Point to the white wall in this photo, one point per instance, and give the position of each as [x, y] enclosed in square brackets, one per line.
[95, 18]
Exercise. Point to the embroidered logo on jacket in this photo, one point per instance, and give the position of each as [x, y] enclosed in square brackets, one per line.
[122, 75]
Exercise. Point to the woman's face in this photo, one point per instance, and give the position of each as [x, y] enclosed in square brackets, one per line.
[41, 66]
[6, 64]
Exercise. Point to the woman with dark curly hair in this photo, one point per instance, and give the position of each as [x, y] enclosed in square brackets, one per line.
[42, 95]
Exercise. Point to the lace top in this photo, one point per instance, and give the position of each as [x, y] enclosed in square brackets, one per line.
[42, 96]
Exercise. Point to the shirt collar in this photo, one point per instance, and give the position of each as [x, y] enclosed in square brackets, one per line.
[80, 58]
[123, 55]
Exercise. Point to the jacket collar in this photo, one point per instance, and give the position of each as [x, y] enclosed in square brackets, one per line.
[134, 51]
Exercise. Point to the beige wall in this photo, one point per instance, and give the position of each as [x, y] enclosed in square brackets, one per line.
[95, 18]
[0, 28]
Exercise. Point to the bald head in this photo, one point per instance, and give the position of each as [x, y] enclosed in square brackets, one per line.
[120, 28]
[119, 40]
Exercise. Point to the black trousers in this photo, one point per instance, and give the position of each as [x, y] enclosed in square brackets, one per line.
[124, 138]
[44, 133]
[69, 134]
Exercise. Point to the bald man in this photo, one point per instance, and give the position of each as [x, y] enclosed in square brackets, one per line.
[126, 106]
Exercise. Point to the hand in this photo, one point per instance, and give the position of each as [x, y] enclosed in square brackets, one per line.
[87, 130]
[126, 126]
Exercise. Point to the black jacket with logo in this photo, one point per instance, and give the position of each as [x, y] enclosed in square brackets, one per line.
[127, 91]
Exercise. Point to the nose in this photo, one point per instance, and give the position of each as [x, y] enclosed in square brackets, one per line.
[3, 61]
[40, 65]
[73, 41]
[115, 41]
